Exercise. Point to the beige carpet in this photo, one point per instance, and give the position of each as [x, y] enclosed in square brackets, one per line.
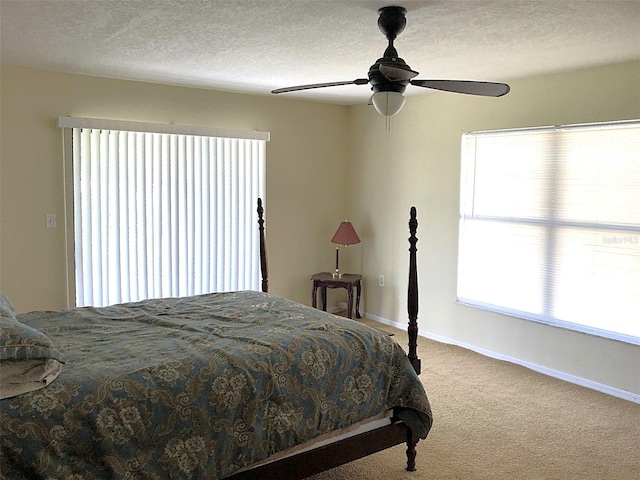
[496, 420]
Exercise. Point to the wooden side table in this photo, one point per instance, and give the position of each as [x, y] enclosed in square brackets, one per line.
[326, 280]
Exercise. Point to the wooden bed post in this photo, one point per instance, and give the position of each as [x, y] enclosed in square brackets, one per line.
[411, 452]
[412, 294]
[263, 249]
[412, 330]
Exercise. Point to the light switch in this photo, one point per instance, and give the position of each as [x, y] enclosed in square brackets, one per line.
[51, 220]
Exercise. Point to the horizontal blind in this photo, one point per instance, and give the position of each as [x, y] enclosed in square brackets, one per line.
[164, 215]
[550, 226]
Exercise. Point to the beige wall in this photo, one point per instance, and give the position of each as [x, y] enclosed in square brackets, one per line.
[418, 163]
[306, 182]
[325, 163]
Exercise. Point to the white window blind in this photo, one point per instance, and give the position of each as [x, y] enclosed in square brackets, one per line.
[164, 214]
[550, 226]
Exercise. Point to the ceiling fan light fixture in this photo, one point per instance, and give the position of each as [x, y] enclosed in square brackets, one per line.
[388, 103]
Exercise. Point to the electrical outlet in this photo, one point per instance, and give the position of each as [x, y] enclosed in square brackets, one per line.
[381, 281]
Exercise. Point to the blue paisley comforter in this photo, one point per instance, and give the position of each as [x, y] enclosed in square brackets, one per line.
[198, 387]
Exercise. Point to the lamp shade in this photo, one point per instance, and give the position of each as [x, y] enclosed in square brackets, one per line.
[387, 103]
[345, 235]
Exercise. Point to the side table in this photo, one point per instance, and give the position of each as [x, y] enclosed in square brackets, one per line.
[326, 280]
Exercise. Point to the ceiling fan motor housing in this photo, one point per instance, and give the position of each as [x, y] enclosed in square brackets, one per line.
[380, 83]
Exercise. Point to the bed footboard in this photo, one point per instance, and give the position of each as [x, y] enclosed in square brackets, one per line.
[324, 458]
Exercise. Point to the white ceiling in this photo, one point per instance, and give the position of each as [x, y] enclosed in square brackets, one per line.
[254, 46]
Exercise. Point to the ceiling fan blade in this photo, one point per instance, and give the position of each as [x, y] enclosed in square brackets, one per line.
[358, 81]
[487, 89]
[395, 73]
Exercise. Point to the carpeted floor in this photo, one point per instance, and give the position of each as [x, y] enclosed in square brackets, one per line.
[500, 421]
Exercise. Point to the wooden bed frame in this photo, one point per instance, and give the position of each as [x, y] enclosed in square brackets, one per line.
[307, 463]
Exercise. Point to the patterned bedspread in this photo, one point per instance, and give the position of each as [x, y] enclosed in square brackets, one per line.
[198, 387]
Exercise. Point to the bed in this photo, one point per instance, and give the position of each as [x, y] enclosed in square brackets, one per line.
[236, 385]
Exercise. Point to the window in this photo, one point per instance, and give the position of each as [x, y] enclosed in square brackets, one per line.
[162, 213]
[550, 226]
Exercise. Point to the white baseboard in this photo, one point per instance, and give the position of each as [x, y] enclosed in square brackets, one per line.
[567, 377]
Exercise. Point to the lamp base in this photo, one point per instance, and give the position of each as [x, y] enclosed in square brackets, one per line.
[337, 274]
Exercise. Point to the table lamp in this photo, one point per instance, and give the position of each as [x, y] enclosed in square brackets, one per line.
[344, 236]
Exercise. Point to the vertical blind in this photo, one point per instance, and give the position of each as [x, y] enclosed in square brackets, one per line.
[164, 215]
[550, 226]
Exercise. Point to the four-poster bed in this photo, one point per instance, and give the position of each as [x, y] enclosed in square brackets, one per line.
[238, 385]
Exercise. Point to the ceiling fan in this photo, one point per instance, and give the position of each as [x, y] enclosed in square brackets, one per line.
[390, 75]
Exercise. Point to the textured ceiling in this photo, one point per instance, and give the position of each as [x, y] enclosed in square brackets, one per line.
[255, 46]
